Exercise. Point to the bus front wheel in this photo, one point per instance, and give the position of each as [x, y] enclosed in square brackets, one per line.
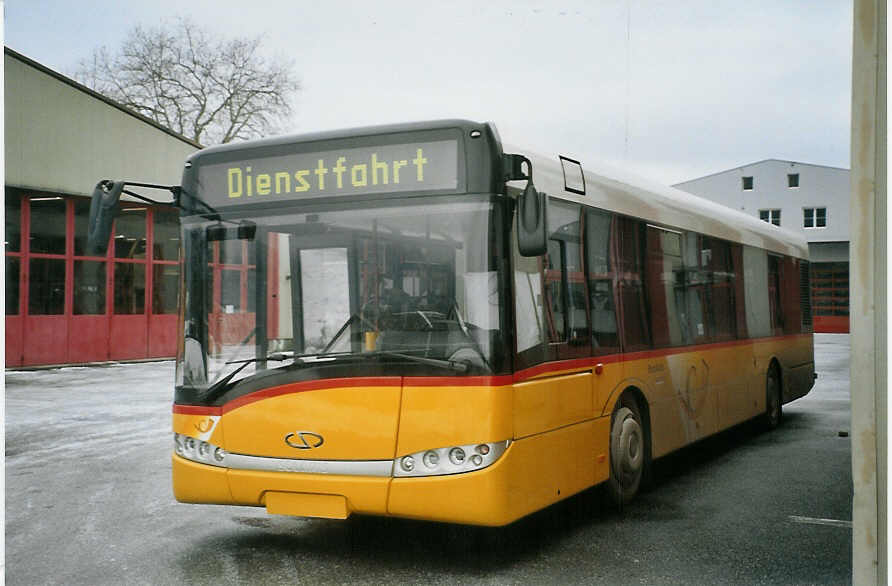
[628, 452]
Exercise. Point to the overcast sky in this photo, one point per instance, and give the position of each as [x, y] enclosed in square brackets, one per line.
[672, 90]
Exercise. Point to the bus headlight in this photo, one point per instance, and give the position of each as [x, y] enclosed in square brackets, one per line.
[198, 451]
[451, 460]
[457, 456]
[431, 459]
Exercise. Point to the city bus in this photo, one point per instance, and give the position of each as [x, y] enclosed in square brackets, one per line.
[417, 321]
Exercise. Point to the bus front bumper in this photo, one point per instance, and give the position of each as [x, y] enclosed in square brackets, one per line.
[531, 474]
[475, 498]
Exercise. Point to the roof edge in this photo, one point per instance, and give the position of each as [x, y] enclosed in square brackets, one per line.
[93, 93]
[758, 163]
[340, 133]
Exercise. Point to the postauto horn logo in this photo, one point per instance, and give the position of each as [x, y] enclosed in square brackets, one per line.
[304, 440]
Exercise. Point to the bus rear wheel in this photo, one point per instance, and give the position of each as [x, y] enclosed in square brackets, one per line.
[773, 401]
[628, 452]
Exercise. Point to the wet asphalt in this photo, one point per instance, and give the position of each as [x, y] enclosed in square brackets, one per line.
[88, 501]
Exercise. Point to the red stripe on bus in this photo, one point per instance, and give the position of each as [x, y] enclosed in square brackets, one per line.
[540, 370]
[644, 354]
[315, 385]
[458, 381]
[196, 410]
[550, 368]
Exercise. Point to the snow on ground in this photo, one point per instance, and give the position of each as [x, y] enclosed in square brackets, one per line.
[81, 408]
[89, 501]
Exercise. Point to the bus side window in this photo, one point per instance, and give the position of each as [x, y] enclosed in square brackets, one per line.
[739, 288]
[628, 260]
[529, 308]
[758, 312]
[720, 298]
[665, 287]
[577, 316]
[790, 299]
[602, 277]
[695, 290]
[565, 287]
[555, 307]
[775, 306]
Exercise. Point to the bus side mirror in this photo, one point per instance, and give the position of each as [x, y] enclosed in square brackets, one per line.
[103, 209]
[532, 207]
[532, 222]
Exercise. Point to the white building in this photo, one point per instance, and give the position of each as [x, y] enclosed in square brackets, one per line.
[810, 199]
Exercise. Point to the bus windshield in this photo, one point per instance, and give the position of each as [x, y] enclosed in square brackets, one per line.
[415, 278]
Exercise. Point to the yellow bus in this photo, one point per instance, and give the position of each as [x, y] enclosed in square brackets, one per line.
[415, 321]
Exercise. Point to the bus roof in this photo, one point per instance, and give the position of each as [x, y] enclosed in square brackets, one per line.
[338, 134]
[625, 193]
[606, 188]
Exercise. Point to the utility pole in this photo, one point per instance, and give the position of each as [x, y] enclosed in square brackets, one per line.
[868, 278]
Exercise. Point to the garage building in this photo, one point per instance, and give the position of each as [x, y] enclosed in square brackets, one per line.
[61, 138]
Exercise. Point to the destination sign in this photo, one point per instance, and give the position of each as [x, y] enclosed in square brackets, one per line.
[353, 171]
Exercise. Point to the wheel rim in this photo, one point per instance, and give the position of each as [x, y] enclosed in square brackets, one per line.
[628, 450]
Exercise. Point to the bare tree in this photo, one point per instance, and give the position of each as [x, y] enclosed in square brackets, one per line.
[212, 91]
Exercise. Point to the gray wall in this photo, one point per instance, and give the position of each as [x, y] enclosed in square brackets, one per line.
[62, 139]
[828, 251]
[818, 187]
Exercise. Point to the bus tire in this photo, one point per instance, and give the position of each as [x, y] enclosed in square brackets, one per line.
[774, 410]
[628, 452]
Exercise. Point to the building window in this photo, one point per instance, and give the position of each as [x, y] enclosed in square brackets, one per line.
[130, 288]
[13, 235]
[13, 267]
[165, 252]
[231, 252]
[814, 217]
[748, 183]
[231, 290]
[166, 225]
[46, 286]
[12, 241]
[770, 216]
[793, 180]
[46, 236]
[47, 225]
[89, 287]
[130, 233]
[81, 221]
[165, 287]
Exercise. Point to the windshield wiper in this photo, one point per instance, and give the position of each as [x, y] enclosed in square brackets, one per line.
[450, 364]
[214, 389]
[323, 356]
